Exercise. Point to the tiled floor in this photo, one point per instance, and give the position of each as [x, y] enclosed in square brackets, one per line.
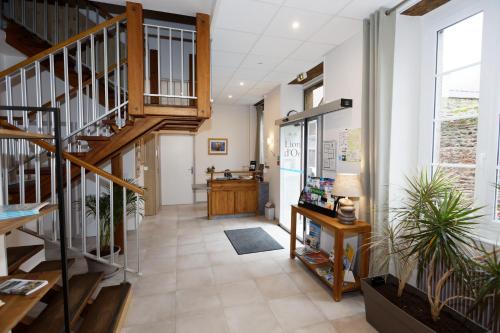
[194, 282]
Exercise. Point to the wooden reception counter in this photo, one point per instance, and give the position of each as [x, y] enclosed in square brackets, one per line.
[232, 196]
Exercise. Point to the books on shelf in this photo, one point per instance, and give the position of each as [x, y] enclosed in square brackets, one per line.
[326, 272]
[13, 211]
[21, 286]
[305, 250]
[316, 258]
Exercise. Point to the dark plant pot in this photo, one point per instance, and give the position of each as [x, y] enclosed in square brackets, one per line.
[409, 313]
[97, 266]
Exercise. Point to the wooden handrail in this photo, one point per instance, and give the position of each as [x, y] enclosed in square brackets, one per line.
[59, 46]
[47, 146]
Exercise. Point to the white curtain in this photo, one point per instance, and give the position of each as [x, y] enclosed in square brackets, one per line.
[379, 33]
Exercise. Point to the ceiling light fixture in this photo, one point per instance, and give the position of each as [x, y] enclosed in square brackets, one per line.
[229, 96]
[295, 25]
[242, 83]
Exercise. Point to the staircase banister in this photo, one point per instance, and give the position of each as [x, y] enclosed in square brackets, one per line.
[47, 146]
[74, 90]
[59, 46]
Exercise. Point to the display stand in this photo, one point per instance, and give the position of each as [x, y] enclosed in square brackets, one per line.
[359, 228]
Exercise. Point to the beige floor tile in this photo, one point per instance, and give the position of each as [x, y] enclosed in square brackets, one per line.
[214, 237]
[158, 265]
[161, 252]
[192, 261]
[167, 326]
[151, 309]
[295, 312]
[351, 304]
[263, 268]
[183, 250]
[187, 300]
[207, 321]
[230, 273]
[195, 278]
[218, 246]
[277, 286]
[155, 284]
[238, 293]
[224, 258]
[325, 327]
[290, 265]
[251, 318]
[306, 281]
[190, 239]
[208, 230]
[353, 324]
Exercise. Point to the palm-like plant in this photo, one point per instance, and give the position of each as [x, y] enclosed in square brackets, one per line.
[434, 229]
[485, 280]
[443, 235]
[133, 204]
[395, 240]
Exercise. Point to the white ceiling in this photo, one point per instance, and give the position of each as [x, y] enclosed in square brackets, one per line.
[183, 7]
[254, 42]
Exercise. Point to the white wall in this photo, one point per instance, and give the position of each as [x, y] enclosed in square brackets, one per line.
[237, 124]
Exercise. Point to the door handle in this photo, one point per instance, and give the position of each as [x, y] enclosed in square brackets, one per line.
[192, 170]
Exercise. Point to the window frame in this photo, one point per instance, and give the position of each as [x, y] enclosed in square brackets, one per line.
[308, 91]
[489, 101]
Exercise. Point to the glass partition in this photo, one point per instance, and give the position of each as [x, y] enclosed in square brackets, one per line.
[291, 170]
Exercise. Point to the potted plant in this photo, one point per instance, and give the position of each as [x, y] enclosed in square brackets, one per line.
[484, 282]
[132, 206]
[430, 233]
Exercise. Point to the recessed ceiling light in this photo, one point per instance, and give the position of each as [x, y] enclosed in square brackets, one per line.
[242, 83]
[229, 96]
[295, 25]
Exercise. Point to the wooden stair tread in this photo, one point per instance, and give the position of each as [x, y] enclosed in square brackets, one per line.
[17, 255]
[110, 307]
[50, 265]
[14, 223]
[16, 307]
[93, 138]
[81, 288]
[10, 134]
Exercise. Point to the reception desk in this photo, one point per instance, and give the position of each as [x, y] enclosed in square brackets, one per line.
[232, 197]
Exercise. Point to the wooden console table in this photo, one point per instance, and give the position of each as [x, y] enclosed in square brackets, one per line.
[360, 228]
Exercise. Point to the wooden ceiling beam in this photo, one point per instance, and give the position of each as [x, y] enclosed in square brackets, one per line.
[311, 74]
[423, 7]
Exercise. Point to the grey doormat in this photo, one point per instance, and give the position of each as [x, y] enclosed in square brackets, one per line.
[252, 240]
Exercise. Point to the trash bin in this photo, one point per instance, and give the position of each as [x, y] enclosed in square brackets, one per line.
[269, 211]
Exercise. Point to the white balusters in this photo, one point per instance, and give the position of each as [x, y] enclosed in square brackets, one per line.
[177, 41]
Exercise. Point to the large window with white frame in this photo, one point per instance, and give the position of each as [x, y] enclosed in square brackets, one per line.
[456, 101]
[460, 119]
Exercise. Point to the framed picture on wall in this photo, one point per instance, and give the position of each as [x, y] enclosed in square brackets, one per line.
[217, 146]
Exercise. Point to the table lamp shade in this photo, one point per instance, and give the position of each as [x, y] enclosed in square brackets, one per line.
[347, 185]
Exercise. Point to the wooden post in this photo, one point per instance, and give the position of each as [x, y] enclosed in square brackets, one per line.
[293, 232]
[338, 268]
[153, 76]
[135, 51]
[117, 170]
[203, 65]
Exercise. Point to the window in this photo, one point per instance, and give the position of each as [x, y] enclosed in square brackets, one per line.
[456, 101]
[313, 96]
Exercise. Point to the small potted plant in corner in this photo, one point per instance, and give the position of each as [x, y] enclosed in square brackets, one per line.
[432, 234]
[132, 206]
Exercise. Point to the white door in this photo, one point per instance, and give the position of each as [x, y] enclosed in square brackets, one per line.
[177, 169]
